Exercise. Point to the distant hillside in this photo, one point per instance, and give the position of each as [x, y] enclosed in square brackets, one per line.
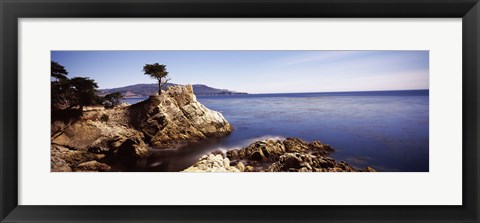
[145, 90]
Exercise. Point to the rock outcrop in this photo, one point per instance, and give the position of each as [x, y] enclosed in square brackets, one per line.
[212, 163]
[64, 159]
[176, 118]
[167, 121]
[289, 155]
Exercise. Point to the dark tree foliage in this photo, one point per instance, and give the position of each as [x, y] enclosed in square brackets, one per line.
[159, 72]
[113, 99]
[68, 93]
[58, 71]
[84, 91]
[61, 93]
[60, 86]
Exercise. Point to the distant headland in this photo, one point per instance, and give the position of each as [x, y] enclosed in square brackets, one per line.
[145, 90]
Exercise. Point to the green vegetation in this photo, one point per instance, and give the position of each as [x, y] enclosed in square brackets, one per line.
[113, 99]
[159, 72]
[61, 89]
[58, 71]
[84, 91]
[77, 92]
[71, 93]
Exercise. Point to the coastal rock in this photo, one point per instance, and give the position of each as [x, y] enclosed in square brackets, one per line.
[64, 159]
[249, 169]
[92, 166]
[167, 121]
[236, 154]
[319, 148]
[291, 160]
[295, 145]
[296, 162]
[101, 137]
[261, 150]
[175, 118]
[370, 169]
[289, 155]
[272, 149]
[58, 164]
[240, 166]
[212, 163]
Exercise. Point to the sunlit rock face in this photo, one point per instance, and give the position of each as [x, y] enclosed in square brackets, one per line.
[212, 163]
[175, 118]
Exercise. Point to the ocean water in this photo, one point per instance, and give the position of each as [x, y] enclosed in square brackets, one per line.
[387, 130]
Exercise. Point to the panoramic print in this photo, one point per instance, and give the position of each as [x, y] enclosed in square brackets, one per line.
[239, 111]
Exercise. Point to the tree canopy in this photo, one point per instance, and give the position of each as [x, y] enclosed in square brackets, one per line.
[69, 93]
[113, 99]
[159, 72]
[84, 91]
[58, 71]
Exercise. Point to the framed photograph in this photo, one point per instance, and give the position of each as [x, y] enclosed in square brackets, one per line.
[228, 111]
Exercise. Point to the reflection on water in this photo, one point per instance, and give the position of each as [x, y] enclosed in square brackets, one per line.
[385, 130]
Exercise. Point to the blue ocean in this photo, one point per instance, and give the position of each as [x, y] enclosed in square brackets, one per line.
[387, 130]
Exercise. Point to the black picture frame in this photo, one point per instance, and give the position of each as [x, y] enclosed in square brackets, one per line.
[11, 11]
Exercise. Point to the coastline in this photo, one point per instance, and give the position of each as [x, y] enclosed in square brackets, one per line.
[84, 141]
[174, 150]
[274, 155]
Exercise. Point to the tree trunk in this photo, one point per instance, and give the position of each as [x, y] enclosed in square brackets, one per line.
[160, 86]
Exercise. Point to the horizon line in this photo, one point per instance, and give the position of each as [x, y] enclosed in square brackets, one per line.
[341, 91]
[303, 92]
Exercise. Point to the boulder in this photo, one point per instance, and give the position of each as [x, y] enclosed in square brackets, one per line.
[291, 160]
[259, 151]
[240, 166]
[249, 169]
[370, 169]
[319, 148]
[133, 147]
[212, 163]
[293, 145]
[234, 154]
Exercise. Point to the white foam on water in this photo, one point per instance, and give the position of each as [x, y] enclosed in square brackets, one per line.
[265, 137]
[246, 142]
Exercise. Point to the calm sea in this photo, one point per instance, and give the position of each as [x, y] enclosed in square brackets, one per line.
[387, 130]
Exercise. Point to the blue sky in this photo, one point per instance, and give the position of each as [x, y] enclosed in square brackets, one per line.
[257, 71]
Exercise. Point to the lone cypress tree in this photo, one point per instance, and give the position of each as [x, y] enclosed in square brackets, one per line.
[159, 72]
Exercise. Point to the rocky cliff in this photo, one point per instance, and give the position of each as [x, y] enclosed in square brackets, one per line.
[289, 155]
[167, 121]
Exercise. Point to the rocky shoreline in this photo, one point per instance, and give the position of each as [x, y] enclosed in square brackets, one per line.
[167, 121]
[86, 142]
[272, 155]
